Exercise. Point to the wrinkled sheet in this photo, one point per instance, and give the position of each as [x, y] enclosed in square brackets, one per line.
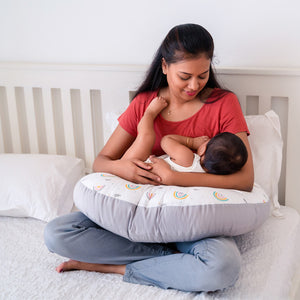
[27, 268]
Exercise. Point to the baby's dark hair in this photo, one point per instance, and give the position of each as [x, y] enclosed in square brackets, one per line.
[225, 154]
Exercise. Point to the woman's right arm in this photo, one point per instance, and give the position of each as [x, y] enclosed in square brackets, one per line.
[109, 160]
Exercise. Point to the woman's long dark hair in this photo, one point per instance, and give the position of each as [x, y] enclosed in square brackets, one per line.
[182, 42]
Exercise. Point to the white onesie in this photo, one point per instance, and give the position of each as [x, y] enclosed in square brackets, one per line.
[195, 167]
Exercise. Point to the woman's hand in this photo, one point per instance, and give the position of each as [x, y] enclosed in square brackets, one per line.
[110, 160]
[161, 169]
[136, 171]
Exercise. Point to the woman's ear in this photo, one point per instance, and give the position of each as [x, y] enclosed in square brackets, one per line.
[164, 66]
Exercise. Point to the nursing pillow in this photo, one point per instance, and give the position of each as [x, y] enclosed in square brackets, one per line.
[147, 213]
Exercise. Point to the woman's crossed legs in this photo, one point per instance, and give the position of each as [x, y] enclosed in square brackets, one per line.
[206, 265]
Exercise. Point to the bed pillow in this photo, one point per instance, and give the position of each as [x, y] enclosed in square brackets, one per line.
[38, 185]
[266, 146]
[147, 213]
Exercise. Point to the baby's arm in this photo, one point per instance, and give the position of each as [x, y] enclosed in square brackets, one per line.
[197, 142]
[178, 148]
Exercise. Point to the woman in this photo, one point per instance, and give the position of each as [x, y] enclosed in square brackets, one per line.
[181, 72]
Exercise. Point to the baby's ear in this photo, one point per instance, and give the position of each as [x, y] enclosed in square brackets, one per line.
[201, 150]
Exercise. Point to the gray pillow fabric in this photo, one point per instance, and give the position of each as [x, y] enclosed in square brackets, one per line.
[147, 213]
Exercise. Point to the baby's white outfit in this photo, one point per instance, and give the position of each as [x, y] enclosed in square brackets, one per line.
[195, 167]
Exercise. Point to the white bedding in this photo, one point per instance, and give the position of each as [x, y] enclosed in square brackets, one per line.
[28, 271]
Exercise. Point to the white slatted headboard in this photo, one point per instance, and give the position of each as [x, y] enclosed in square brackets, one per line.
[62, 109]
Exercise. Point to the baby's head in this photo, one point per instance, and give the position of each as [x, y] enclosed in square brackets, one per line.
[225, 154]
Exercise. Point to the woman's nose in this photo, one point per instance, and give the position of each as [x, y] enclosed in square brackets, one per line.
[193, 84]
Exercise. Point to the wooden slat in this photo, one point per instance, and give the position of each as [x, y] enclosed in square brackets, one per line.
[49, 121]
[89, 144]
[2, 148]
[264, 104]
[31, 120]
[68, 121]
[13, 119]
[113, 100]
[243, 101]
[293, 145]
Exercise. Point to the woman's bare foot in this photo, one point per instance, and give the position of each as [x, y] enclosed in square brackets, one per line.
[102, 268]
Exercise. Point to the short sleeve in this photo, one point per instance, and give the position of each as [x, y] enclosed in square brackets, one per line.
[128, 119]
[232, 118]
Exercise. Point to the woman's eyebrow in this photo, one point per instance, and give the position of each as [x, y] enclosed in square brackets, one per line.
[191, 74]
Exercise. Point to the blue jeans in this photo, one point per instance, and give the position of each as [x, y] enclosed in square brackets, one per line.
[206, 265]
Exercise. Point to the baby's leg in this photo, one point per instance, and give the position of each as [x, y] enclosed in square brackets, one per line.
[143, 144]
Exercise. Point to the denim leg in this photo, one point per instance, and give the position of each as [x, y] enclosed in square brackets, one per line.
[77, 237]
[206, 265]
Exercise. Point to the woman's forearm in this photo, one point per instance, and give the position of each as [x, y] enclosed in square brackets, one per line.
[234, 181]
[241, 180]
[134, 170]
[103, 163]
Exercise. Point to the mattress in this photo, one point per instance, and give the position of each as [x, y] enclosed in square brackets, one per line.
[269, 262]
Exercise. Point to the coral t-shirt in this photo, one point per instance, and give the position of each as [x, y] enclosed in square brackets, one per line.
[220, 113]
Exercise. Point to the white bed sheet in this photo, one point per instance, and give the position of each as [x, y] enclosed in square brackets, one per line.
[27, 268]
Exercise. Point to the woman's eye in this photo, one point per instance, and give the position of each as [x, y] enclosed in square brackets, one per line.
[187, 78]
[184, 78]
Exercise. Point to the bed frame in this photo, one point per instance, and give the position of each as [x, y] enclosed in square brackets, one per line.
[65, 109]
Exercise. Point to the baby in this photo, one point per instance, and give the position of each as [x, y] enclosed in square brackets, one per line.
[223, 154]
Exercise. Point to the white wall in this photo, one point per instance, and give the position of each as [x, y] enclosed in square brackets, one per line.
[247, 33]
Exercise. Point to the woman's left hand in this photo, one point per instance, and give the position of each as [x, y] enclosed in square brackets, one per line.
[161, 169]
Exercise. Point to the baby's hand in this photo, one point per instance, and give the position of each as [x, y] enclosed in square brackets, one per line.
[200, 140]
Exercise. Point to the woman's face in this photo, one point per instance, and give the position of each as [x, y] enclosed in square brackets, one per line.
[187, 78]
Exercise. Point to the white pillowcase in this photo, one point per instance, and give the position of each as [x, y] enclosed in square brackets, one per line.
[266, 146]
[38, 185]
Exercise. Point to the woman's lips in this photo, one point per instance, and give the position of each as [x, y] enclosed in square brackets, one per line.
[190, 93]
